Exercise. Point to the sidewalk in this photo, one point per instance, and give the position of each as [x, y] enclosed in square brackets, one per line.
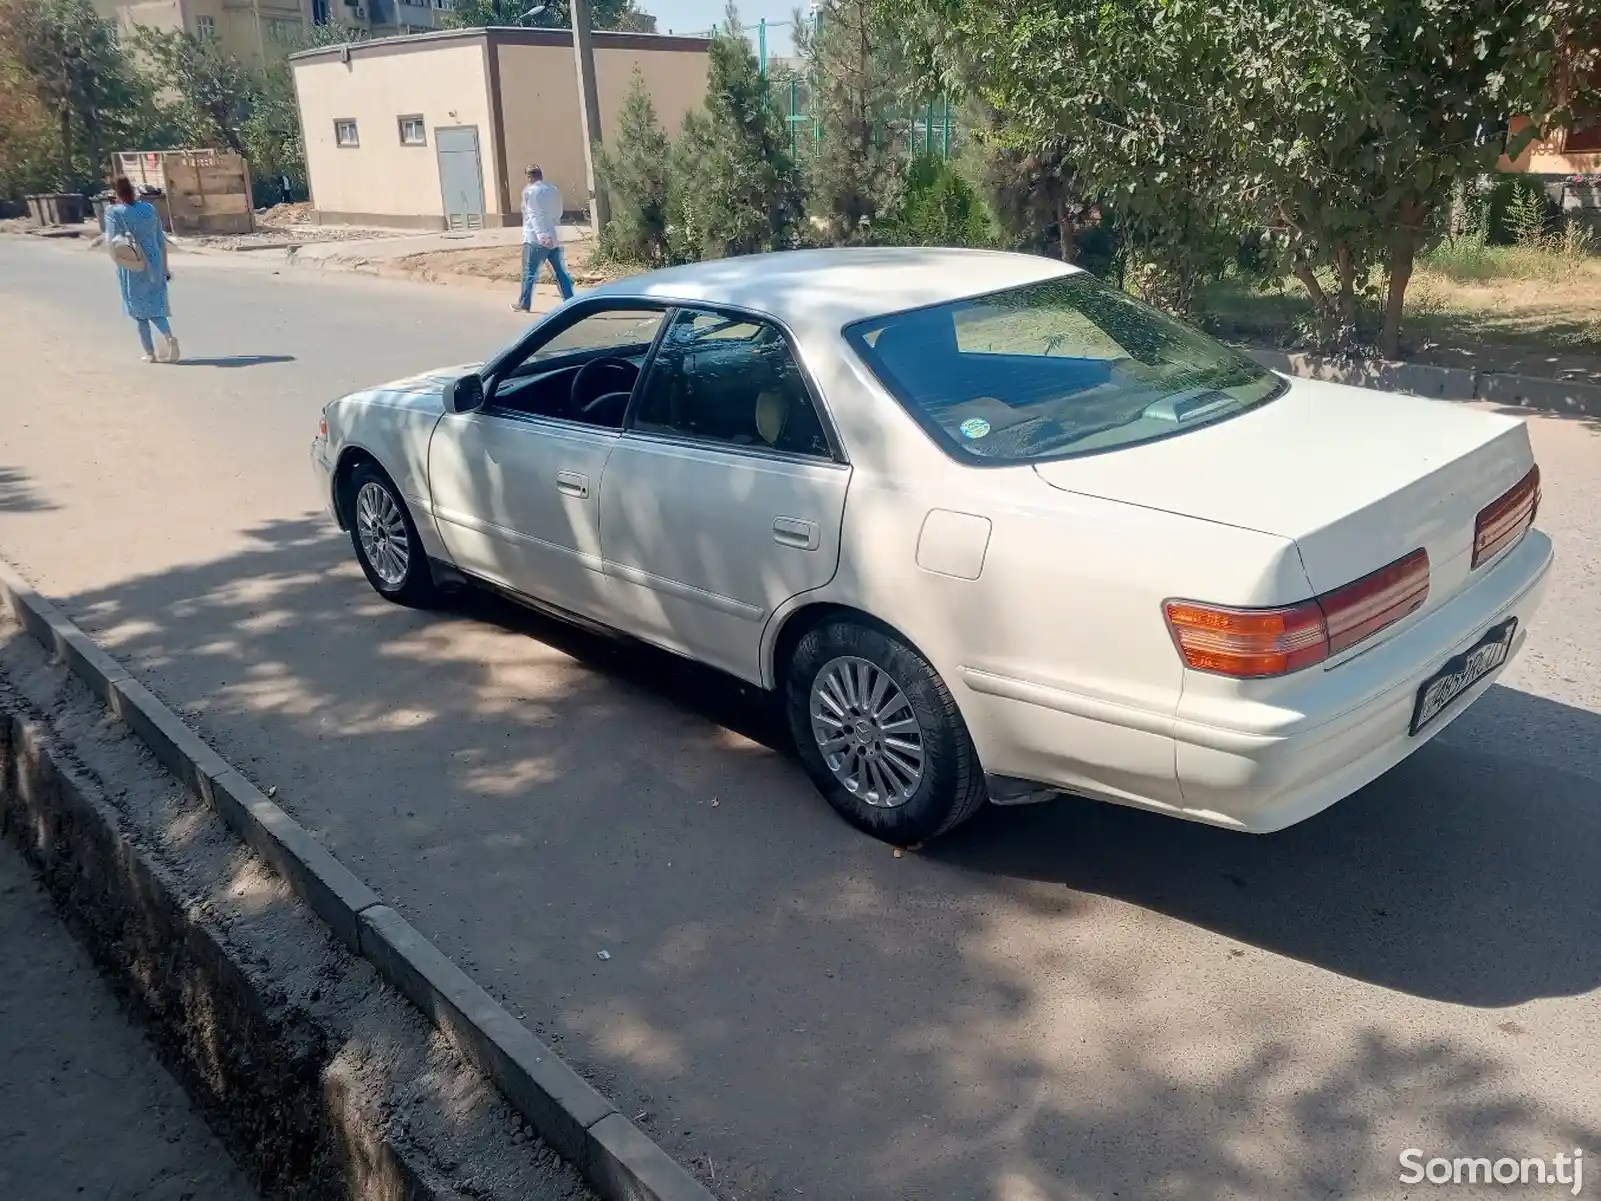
[86, 1111]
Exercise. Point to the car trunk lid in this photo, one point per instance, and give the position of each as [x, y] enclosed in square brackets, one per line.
[1356, 478]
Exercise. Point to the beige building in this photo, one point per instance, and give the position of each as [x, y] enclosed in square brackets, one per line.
[433, 131]
[255, 29]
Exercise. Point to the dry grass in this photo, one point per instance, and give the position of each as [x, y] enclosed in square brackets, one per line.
[1532, 310]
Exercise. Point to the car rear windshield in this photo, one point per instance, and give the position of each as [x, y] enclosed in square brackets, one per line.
[1049, 370]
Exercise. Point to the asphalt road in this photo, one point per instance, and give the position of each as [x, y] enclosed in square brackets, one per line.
[1055, 1002]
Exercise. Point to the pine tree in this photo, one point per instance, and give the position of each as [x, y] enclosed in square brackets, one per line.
[634, 170]
[1033, 189]
[856, 78]
[733, 187]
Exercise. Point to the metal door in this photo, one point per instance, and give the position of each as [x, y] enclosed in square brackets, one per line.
[514, 497]
[461, 176]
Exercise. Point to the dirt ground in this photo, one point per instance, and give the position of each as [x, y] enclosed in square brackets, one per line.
[504, 263]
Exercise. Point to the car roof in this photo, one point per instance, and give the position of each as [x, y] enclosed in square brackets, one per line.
[821, 291]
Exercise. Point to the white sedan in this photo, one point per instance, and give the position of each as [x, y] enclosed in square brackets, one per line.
[990, 529]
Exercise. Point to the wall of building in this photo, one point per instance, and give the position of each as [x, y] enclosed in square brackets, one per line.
[1553, 155]
[383, 181]
[233, 24]
[540, 104]
[157, 14]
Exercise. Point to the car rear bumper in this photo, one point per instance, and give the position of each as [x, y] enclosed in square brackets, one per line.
[1233, 761]
[1259, 772]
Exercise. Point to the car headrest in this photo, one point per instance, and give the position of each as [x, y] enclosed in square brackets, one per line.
[772, 414]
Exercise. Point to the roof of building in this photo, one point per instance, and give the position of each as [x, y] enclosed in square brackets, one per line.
[825, 290]
[403, 43]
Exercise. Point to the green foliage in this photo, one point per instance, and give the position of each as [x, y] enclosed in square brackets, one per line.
[1034, 191]
[208, 92]
[856, 78]
[732, 186]
[1528, 215]
[68, 58]
[557, 14]
[207, 97]
[634, 171]
[940, 209]
[1340, 126]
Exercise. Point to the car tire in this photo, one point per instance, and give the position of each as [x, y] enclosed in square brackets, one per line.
[902, 785]
[385, 538]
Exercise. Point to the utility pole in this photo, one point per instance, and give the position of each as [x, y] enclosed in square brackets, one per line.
[589, 112]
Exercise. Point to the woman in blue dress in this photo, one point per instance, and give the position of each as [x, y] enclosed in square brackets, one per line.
[144, 293]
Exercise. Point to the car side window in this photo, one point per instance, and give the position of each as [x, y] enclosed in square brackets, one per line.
[583, 372]
[731, 380]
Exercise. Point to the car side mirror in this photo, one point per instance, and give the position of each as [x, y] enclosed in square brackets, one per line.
[464, 395]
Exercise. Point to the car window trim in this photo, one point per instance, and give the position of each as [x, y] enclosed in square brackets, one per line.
[836, 447]
[690, 442]
[557, 424]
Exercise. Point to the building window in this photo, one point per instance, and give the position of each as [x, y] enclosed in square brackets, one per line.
[284, 32]
[345, 134]
[206, 28]
[1584, 139]
[412, 132]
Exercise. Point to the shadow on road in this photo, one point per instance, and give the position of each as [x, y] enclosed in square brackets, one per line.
[1013, 1013]
[17, 494]
[236, 360]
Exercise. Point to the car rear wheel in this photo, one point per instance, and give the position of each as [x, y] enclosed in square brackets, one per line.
[385, 538]
[880, 734]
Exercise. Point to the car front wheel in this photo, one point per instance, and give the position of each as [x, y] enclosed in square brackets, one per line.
[880, 734]
[386, 542]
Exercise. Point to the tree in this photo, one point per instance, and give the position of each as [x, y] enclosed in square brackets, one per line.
[1341, 125]
[620, 15]
[732, 187]
[77, 72]
[856, 77]
[1034, 191]
[30, 156]
[211, 92]
[635, 173]
[938, 208]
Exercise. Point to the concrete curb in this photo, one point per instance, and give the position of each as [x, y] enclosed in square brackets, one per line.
[274, 1091]
[621, 1162]
[1567, 398]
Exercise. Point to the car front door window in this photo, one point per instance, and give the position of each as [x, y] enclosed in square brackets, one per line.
[584, 372]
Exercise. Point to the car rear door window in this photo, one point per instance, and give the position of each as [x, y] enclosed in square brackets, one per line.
[730, 380]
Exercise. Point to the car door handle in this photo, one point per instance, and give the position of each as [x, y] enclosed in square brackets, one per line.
[573, 484]
[792, 531]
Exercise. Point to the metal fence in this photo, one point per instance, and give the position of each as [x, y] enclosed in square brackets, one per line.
[928, 129]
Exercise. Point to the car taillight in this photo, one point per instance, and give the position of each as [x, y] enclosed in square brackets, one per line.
[322, 427]
[1252, 643]
[1502, 522]
[1248, 642]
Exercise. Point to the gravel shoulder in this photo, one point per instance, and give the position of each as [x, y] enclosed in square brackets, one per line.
[86, 1107]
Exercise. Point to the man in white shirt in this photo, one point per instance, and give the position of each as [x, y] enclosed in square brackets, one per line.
[541, 237]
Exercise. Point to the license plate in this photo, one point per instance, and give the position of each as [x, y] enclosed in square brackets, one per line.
[1462, 673]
